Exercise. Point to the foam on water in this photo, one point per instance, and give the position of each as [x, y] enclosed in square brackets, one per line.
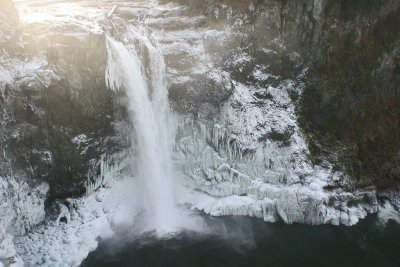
[387, 212]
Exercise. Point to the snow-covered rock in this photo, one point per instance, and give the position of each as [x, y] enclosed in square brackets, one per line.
[8, 255]
[21, 205]
[21, 208]
[67, 243]
[252, 160]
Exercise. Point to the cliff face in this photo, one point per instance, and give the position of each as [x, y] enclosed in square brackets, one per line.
[56, 112]
[286, 110]
[343, 57]
[350, 107]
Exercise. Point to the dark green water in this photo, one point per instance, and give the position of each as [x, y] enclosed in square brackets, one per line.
[238, 241]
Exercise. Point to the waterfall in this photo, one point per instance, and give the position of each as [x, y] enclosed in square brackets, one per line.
[143, 79]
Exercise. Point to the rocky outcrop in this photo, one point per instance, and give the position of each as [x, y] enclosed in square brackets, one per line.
[57, 114]
[57, 118]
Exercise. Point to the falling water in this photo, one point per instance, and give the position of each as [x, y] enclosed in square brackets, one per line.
[149, 110]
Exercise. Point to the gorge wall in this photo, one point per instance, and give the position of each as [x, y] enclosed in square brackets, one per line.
[344, 59]
[286, 110]
[341, 55]
[56, 111]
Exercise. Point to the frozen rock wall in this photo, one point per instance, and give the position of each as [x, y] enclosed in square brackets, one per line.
[237, 72]
[252, 160]
[350, 109]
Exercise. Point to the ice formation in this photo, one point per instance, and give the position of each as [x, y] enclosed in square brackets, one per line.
[110, 165]
[238, 161]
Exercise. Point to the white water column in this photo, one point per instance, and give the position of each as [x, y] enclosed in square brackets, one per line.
[149, 111]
